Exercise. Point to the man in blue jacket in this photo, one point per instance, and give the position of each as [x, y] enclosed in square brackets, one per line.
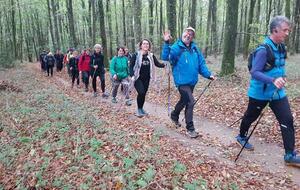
[267, 88]
[187, 62]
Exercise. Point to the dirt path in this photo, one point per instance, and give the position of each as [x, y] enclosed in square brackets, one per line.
[217, 141]
[211, 155]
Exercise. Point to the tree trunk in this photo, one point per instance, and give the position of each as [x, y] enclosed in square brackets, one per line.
[214, 27]
[208, 29]
[21, 33]
[51, 25]
[171, 16]
[151, 20]
[111, 33]
[296, 21]
[249, 26]
[54, 13]
[124, 23]
[230, 37]
[73, 41]
[137, 20]
[268, 12]
[89, 22]
[193, 14]
[13, 26]
[102, 32]
[117, 24]
[288, 15]
[94, 16]
[162, 24]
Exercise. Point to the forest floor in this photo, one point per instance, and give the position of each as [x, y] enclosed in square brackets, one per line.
[55, 137]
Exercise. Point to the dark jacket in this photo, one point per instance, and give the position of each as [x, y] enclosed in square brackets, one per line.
[97, 59]
[50, 60]
[73, 62]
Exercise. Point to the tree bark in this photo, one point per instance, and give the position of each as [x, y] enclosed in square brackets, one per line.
[193, 14]
[73, 41]
[137, 20]
[102, 31]
[230, 37]
[21, 33]
[171, 16]
[50, 26]
[14, 31]
[151, 19]
[249, 26]
[124, 24]
[214, 27]
[55, 19]
[111, 33]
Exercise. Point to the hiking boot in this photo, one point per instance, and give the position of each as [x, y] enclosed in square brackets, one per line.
[291, 159]
[144, 112]
[128, 102]
[72, 85]
[175, 121]
[105, 95]
[242, 141]
[192, 134]
[86, 89]
[139, 113]
[95, 94]
[114, 100]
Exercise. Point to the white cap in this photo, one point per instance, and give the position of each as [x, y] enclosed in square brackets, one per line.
[190, 28]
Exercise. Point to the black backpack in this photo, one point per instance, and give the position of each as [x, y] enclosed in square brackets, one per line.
[270, 57]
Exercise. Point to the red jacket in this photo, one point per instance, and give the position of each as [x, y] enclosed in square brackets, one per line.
[84, 62]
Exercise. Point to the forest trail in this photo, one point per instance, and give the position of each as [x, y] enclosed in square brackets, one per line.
[215, 140]
[262, 168]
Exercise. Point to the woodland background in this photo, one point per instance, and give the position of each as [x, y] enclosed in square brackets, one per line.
[222, 27]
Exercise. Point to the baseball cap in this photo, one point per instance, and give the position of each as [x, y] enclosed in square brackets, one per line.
[190, 28]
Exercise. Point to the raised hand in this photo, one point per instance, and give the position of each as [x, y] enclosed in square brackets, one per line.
[167, 36]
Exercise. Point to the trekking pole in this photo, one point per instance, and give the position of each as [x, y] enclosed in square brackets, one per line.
[205, 88]
[247, 139]
[169, 89]
[261, 115]
[236, 121]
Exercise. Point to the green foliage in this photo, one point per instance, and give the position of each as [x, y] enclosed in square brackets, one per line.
[179, 168]
[6, 59]
[196, 184]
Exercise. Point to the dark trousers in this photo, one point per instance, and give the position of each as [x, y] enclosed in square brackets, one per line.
[75, 76]
[282, 111]
[102, 81]
[85, 78]
[141, 86]
[59, 66]
[50, 69]
[186, 101]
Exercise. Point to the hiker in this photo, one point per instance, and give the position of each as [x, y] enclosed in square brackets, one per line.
[187, 62]
[84, 67]
[127, 54]
[67, 58]
[42, 61]
[50, 62]
[97, 69]
[142, 70]
[119, 75]
[59, 57]
[73, 63]
[268, 87]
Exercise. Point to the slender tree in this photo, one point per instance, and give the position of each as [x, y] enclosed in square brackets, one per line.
[21, 33]
[192, 22]
[55, 20]
[171, 16]
[13, 26]
[249, 27]
[230, 37]
[124, 23]
[102, 31]
[73, 41]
